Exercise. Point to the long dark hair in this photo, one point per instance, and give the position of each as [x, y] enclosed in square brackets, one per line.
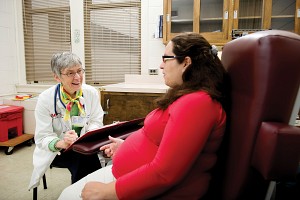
[206, 71]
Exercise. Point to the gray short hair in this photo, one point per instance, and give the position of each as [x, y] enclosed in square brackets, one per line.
[60, 61]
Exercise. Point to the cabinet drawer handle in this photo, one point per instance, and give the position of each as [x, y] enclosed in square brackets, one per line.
[107, 104]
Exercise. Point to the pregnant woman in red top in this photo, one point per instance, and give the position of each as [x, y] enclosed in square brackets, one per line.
[171, 155]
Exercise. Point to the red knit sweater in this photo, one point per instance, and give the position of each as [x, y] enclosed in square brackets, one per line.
[170, 156]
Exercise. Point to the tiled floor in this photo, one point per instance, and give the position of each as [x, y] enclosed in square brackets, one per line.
[15, 173]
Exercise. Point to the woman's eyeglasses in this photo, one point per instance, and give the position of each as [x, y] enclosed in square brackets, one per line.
[80, 72]
[165, 58]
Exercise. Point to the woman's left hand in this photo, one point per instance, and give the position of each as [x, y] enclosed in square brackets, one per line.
[97, 190]
[111, 148]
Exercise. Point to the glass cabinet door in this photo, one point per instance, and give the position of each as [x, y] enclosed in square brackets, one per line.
[208, 17]
[213, 20]
[248, 14]
[283, 15]
[182, 16]
[211, 15]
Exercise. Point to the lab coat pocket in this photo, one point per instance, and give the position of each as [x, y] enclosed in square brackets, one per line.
[57, 125]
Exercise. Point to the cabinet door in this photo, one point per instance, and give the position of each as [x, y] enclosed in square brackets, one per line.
[285, 15]
[113, 104]
[178, 17]
[253, 15]
[213, 20]
[208, 17]
[249, 14]
[123, 106]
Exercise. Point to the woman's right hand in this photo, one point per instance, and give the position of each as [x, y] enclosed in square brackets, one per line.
[69, 138]
[110, 149]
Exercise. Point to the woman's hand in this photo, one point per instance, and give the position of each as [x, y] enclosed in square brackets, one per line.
[98, 190]
[69, 138]
[110, 149]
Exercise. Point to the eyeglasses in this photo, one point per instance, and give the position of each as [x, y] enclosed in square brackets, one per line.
[165, 58]
[80, 72]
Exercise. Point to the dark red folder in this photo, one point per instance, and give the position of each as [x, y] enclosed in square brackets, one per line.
[90, 142]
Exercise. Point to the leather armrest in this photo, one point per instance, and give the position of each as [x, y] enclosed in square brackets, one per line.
[277, 151]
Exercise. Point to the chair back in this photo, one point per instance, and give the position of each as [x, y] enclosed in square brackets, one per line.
[264, 74]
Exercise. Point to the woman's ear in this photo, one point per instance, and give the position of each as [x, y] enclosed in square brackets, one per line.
[56, 77]
[187, 62]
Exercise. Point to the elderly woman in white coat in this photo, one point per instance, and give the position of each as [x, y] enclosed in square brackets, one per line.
[63, 113]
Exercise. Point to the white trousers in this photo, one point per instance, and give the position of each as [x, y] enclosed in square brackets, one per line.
[73, 192]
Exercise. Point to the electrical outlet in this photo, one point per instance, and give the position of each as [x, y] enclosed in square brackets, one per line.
[153, 71]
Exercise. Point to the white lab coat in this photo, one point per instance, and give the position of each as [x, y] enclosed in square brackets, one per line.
[49, 125]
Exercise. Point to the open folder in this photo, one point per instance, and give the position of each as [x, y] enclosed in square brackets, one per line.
[90, 142]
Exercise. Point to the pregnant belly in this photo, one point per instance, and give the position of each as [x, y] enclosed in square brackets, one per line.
[136, 151]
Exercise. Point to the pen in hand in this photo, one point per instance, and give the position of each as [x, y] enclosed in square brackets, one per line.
[70, 137]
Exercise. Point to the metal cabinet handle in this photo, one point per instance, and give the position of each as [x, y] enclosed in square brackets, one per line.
[226, 14]
[107, 104]
[235, 14]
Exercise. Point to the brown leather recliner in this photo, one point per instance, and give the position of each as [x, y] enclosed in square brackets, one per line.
[262, 145]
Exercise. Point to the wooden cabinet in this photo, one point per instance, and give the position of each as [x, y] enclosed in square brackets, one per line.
[249, 15]
[123, 106]
[215, 19]
[208, 17]
[285, 15]
[267, 14]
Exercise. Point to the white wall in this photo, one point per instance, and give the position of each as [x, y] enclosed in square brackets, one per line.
[8, 48]
[152, 48]
[12, 65]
